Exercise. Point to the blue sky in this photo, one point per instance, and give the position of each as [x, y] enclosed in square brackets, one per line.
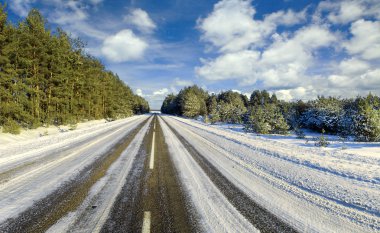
[297, 49]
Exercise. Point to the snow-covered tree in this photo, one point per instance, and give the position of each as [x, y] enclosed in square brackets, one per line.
[265, 119]
[367, 120]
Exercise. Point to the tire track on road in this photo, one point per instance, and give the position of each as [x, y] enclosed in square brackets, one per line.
[258, 216]
[69, 196]
[157, 191]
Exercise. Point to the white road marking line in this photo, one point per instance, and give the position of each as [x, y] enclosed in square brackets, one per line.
[146, 222]
[151, 164]
[154, 126]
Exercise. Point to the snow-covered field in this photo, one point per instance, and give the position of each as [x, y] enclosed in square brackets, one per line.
[31, 134]
[348, 146]
[312, 189]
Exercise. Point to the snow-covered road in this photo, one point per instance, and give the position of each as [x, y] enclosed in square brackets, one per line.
[310, 190]
[188, 176]
[42, 166]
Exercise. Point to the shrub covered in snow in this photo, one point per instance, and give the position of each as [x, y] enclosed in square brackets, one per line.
[321, 141]
[367, 120]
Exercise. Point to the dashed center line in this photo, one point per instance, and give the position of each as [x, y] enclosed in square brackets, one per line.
[146, 222]
[151, 164]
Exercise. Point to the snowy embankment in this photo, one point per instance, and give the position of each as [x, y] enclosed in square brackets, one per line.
[337, 145]
[312, 189]
[32, 169]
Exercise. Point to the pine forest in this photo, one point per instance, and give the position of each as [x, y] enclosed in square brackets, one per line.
[46, 78]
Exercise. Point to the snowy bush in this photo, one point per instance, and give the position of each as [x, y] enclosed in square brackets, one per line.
[323, 113]
[367, 122]
[321, 141]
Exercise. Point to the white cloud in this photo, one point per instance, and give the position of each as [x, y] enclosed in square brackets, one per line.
[292, 94]
[141, 20]
[252, 52]
[237, 91]
[365, 39]
[21, 7]
[124, 46]
[161, 92]
[288, 18]
[182, 83]
[139, 92]
[69, 12]
[343, 12]
[73, 17]
[368, 80]
[353, 66]
[238, 65]
[178, 83]
[283, 63]
[231, 26]
[297, 63]
[348, 11]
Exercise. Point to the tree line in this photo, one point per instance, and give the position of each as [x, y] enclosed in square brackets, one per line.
[47, 78]
[264, 113]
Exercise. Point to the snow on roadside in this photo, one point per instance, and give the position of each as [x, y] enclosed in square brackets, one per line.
[31, 139]
[345, 185]
[30, 134]
[370, 149]
[356, 166]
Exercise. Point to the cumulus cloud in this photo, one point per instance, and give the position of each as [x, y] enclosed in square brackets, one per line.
[161, 92]
[343, 12]
[353, 66]
[181, 82]
[365, 40]
[238, 65]
[139, 92]
[291, 62]
[141, 20]
[21, 7]
[283, 63]
[69, 12]
[231, 26]
[124, 46]
[288, 17]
